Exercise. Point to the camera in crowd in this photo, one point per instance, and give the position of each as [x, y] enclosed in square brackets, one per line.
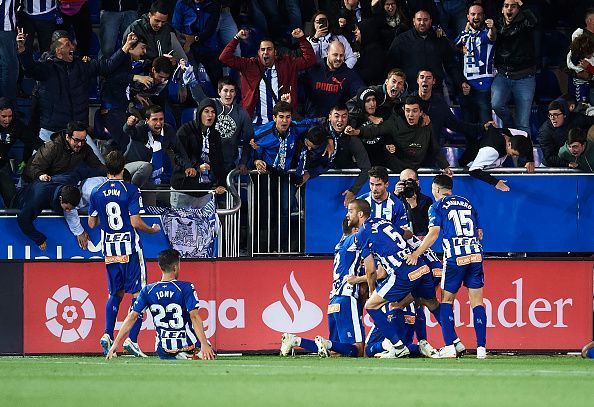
[410, 188]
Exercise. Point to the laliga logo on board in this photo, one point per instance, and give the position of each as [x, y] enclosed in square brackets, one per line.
[64, 309]
[302, 315]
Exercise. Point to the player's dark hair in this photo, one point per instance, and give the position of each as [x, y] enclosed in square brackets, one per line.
[522, 144]
[347, 229]
[152, 110]
[282, 106]
[226, 80]
[443, 181]
[363, 206]
[73, 126]
[163, 65]
[140, 39]
[167, 259]
[316, 136]
[413, 100]
[576, 135]
[379, 172]
[159, 6]
[70, 195]
[115, 161]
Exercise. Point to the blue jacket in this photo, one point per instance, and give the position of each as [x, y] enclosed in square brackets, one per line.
[269, 140]
[199, 19]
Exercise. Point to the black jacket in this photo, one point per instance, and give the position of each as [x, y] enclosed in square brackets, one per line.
[119, 5]
[411, 52]
[551, 138]
[514, 50]
[17, 131]
[63, 87]
[138, 149]
[190, 136]
[33, 199]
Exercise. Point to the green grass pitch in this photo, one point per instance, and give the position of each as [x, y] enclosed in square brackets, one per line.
[501, 381]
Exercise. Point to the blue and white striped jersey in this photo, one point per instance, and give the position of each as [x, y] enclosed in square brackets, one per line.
[478, 60]
[347, 262]
[8, 10]
[459, 223]
[391, 209]
[170, 303]
[114, 202]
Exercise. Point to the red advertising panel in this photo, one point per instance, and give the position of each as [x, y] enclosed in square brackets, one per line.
[246, 305]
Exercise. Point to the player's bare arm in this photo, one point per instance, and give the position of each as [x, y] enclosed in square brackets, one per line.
[93, 221]
[207, 352]
[370, 272]
[411, 259]
[126, 326]
[138, 224]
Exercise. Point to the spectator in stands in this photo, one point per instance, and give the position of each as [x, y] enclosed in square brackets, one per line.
[160, 36]
[388, 96]
[331, 82]
[151, 89]
[197, 22]
[352, 11]
[314, 159]
[515, 62]
[441, 116]
[322, 35]
[553, 133]
[495, 148]
[233, 122]
[76, 17]
[410, 8]
[36, 197]
[420, 47]
[64, 153]
[265, 77]
[389, 20]
[64, 82]
[227, 27]
[408, 142]
[202, 143]
[12, 129]
[477, 43]
[579, 64]
[9, 68]
[376, 146]
[116, 16]
[146, 155]
[115, 93]
[349, 151]
[416, 203]
[578, 151]
[452, 16]
[38, 18]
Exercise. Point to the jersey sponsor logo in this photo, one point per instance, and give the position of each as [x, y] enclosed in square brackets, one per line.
[69, 314]
[471, 258]
[418, 273]
[301, 316]
[118, 237]
[410, 319]
[333, 308]
[123, 259]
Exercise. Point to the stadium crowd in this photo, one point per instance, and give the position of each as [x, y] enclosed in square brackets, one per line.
[190, 90]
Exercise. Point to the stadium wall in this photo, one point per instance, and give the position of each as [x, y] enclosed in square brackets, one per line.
[58, 307]
[543, 212]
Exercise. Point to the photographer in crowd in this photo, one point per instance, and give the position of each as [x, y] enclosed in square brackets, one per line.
[417, 204]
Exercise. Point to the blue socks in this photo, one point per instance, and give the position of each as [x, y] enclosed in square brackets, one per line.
[135, 330]
[345, 349]
[111, 313]
[480, 324]
[387, 329]
[590, 353]
[446, 320]
[309, 345]
[373, 348]
[420, 324]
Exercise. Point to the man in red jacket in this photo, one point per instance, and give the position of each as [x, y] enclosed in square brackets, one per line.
[266, 77]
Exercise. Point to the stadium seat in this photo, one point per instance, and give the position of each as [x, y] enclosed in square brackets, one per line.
[537, 156]
[95, 46]
[99, 130]
[547, 87]
[538, 115]
[170, 118]
[188, 114]
[452, 154]
[452, 136]
[95, 11]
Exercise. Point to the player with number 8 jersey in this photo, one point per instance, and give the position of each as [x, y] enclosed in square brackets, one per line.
[116, 206]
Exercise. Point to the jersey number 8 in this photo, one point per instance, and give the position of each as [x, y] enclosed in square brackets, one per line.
[114, 215]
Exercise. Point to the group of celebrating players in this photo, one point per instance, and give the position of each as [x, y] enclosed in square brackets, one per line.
[379, 257]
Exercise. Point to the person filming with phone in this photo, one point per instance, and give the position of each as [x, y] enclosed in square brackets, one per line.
[323, 34]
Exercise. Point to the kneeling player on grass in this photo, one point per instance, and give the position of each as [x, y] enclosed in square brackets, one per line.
[378, 239]
[345, 320]
[458, 221]
[174, 307]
